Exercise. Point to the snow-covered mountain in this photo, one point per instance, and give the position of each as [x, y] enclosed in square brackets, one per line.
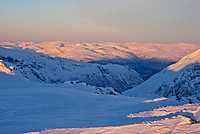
[110, 50]
[181, 79]
[38, 67]
[27, 106]
[146, 58]
[8, 76]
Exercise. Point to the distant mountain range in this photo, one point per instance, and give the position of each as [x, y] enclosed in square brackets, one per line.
[146, 58]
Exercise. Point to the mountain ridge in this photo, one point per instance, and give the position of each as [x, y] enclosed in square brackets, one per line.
[38, 67]
[145, 58]
[181, 79]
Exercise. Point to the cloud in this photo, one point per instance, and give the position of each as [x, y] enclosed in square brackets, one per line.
[102, 20]
[141, 17]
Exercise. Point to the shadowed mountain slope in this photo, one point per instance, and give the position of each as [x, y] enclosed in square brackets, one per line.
[181, 79]
[43, 68]
[146, 58]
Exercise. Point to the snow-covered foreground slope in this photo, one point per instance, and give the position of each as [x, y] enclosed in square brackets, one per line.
[146, 58]
[180, 79]
[179, 124]
[42, 68]
[34, 107]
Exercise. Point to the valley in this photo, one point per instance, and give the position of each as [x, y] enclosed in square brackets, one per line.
[42, 94]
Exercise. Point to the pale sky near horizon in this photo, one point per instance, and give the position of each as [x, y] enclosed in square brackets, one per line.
[157, 21]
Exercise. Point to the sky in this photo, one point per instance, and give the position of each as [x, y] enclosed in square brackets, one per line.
[157, 21]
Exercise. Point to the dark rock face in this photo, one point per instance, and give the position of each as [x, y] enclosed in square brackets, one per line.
[186, 84]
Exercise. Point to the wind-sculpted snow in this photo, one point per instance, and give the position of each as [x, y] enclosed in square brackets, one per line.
[34, 107]
[38, 67]
[179, 124]
[186, 110]
[146, 58]
[181, 79]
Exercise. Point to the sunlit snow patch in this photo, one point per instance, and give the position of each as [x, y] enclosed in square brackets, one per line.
[154, 100]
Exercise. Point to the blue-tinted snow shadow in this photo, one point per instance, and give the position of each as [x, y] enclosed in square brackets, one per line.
[145, 67]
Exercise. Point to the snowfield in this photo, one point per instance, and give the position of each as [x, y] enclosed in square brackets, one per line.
[34, 107]
[179, 125]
